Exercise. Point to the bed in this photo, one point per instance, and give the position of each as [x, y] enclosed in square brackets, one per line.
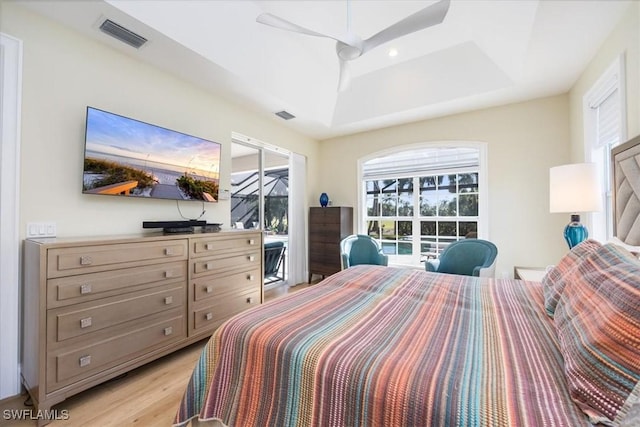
[625, 160]
[384, 346]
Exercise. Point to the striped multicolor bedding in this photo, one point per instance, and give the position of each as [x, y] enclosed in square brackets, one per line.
[380, 346]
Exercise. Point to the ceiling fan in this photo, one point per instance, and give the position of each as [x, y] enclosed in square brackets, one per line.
[351, 46]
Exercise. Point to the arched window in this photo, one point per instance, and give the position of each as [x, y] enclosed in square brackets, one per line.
[417, 199]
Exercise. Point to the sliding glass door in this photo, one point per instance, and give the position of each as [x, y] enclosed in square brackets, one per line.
[260, 199]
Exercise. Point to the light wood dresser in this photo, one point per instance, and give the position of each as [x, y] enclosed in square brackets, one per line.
[97, 308]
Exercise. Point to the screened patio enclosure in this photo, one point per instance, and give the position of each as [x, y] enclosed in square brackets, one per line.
[245, 213]
[245, 194]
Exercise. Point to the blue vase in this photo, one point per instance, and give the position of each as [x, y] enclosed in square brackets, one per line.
[324, 200]
[574, 232]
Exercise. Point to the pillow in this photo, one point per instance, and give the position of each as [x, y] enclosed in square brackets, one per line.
[635, 250]
[632, 417]
[598, 323]
[554, 281]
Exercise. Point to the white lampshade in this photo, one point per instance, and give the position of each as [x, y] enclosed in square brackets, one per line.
[574, 188]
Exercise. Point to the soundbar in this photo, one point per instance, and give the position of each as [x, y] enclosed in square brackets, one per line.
[173, 227]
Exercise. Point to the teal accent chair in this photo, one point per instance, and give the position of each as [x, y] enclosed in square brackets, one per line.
[361, 249]
[273, 262]
[469, 257]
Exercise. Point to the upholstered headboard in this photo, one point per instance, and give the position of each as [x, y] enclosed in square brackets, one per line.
[625, 160]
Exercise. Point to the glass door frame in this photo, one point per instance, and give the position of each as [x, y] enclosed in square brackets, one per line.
[262, 150]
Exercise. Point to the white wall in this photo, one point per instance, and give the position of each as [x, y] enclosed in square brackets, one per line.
[624, 40]
[63, 73]
[524, 141]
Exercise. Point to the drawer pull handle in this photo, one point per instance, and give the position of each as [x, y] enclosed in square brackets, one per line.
[168, 274]
[209, 246]
[251, 258]
[250, 277]
[208, 266]
[86, 260]
[168, 251]
[209, 316]
[251, 242]
[86, 322]
[168, 300]
[85, 361]
[250, 300]
[168, 330]
[209, 289]
[85, 289]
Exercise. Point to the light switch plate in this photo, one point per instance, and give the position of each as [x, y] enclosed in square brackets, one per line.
[41, 229]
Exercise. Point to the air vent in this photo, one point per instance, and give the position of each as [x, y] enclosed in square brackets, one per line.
[285, 115]
[122, 34]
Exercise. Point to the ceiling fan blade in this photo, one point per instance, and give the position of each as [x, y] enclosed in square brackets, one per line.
[427, 17]
[343, 80]
[283, 24]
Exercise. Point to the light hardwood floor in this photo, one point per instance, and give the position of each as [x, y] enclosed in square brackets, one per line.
[147, 396]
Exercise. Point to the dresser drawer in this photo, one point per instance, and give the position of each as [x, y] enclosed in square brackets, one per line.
[88, 287]
[216, 285]
[330, 234]
[245, 261]
[73, 365]
[81, 319]
[214, 245]
[324, 215]
[325, 251]
[85, 259]
[223, 308]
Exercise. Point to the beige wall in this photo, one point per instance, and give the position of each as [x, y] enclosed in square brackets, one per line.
[524, 140]
[624, 40]
[63, 72]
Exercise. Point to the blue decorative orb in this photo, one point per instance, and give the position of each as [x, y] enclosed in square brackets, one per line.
[324, 200]
[574, 232]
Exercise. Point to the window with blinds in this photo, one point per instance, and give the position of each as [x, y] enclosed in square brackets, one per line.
[604, 118]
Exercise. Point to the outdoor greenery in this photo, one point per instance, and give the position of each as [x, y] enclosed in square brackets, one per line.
[115, 173]
[394, 197]
[445, 198]
[275, 214]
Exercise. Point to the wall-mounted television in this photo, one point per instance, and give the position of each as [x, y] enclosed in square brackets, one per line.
[130, 158]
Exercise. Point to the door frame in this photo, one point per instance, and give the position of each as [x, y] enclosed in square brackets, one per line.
[11, 98]
[261, 148]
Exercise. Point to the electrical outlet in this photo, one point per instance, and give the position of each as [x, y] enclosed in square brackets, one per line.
[41, 229]
[224, 194]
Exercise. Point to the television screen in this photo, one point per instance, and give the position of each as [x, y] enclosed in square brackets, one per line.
[130, 158]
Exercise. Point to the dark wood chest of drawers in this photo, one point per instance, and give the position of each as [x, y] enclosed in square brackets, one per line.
[327, 226]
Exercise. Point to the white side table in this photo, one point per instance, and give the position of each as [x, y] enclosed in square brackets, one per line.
[532, 274]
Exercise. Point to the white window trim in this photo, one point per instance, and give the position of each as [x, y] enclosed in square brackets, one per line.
[483, 180]
[613, 76]
[11, 98]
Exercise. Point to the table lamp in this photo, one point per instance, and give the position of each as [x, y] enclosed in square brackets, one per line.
[574, 188]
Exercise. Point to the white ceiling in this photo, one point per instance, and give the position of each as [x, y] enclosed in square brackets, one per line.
[485, 53]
